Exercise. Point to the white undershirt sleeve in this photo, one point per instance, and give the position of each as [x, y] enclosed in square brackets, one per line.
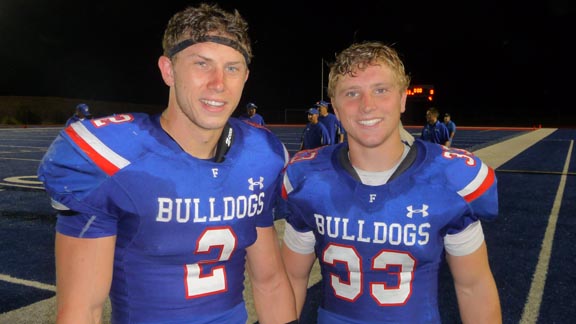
[299, 242]
[465, 242]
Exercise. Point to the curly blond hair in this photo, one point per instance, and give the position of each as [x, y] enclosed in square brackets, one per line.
[359, 56]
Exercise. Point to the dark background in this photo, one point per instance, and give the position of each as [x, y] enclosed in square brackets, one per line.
[506, 63]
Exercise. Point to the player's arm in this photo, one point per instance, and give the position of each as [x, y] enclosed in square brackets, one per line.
[298, 255]
[273, 296]
[446, 133]
[83, 277]
[447, 141]
[326, 140]
[478, 299]
[450, 139]
[298, 267]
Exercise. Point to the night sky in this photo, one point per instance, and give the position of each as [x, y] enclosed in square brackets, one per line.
[485, 58]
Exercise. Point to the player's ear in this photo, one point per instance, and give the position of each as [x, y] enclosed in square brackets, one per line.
[403, 102]
[166, 69]
[334, 108]
[247, 74]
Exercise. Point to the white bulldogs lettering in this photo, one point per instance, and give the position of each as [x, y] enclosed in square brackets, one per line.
[376, 232]
[183, 210]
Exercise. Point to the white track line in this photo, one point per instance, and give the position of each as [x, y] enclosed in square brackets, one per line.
[532, 306]
[28, 283]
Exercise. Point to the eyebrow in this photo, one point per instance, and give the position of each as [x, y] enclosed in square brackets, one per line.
[205, 58]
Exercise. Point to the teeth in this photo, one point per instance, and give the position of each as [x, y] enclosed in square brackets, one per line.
[371, 122]
[213, 103]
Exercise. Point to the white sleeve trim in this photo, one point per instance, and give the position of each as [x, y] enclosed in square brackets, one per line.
[299, 242]
[465, 242]
[97, 145]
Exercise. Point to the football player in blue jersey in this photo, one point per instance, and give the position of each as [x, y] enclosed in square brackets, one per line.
[451, 125]
[435, 131]
[252, 116]
[164, 212]
[331, 122]
[315, 133]
[380, 215]
[82, 112]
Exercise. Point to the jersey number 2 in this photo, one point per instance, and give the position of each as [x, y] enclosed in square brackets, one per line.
[200, 284]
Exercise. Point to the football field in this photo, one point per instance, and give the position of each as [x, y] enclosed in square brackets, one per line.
[529, 244]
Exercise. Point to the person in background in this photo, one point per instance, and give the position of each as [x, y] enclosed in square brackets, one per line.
[165, 212]
[315, 134]
[451, 126]
[329, 120]
[435, 131]
[381, 215]
[81, 112]
[252, 116]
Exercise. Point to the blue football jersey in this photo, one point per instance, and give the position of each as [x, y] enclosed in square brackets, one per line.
[315, 135]
[182, 223]
[333, 126]
[380, 247]
[256, 119]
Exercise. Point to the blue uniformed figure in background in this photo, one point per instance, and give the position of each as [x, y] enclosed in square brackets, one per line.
[82, 112]
[252, 116]
[451, 127]
[315, 134]
[331, 122]
[435, 131]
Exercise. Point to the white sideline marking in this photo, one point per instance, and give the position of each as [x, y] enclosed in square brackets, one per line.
[28, 283]
[30, 182]
[20, 159]
[5, 184]
[532, 306]
[500, 153]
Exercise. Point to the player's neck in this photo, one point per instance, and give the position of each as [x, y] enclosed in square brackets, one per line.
[195, 141]
[376, 159]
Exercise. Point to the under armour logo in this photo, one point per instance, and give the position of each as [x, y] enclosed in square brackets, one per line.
[412, 211]
[253, 183]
